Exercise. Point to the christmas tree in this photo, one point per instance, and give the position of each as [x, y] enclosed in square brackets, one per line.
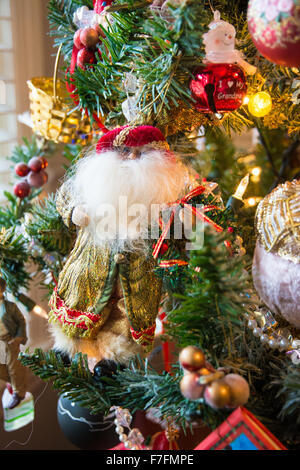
[173, 71]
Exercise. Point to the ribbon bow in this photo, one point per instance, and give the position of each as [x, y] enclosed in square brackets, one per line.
[199, 214]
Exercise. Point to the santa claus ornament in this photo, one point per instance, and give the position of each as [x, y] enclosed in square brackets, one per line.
[275, 29]
[107, 298]
[220, 85]
[276, 263]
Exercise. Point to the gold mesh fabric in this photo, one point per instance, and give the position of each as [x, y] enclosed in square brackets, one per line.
[277, 221]
[52, 117]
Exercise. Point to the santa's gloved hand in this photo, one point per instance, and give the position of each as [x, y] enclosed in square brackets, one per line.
[80, 217]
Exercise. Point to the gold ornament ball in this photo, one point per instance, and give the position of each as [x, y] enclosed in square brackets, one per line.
[218, 394]
[190, 388]
[260, 104]
[239, 390]
[192, 358]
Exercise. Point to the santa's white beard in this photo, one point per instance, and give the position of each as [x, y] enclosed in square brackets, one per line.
[122, 197]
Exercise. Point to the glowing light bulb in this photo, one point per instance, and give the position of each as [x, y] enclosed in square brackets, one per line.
[246, 100]
[240, 190]
[260, 104]
[256, 171]
[38, 310]
[251, 201]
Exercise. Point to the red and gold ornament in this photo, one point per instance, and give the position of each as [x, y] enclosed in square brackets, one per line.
[275, 29]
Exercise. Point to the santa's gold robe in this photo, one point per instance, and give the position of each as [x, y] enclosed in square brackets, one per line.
[86, 289]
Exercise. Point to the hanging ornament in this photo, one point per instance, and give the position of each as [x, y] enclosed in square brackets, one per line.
[276, 262]
[275, 30]
[85, 57]
[218, 394]
[220, 85]
[22, 189]
[260, 104]
[217, 389]
[85, 430]
[35, 164]
[192, 358]
[37, 180]
[21, 169]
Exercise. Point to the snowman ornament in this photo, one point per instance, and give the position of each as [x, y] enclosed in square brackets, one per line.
[220, 85]
[219, 44]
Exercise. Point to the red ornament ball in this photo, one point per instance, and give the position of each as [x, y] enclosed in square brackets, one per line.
[77, 41]
[85, 57]
[275, 29]
[22, 189]
[89, 37]
[218, 87]
[35, 164]
[36, 180]
[21, 169]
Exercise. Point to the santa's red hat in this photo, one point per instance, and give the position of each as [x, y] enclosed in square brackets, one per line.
[129, 136]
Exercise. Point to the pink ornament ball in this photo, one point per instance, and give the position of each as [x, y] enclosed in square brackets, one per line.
[190, 388]
[275, 29]
[277, 282]
[239, 390]
[36, 180]
[35, 164]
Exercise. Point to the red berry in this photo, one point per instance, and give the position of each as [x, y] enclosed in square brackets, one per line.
[44, 162]
[35, 164]
[36, 180]
[85, 57]
[89, 37]
[22, 169]
[230, 230]
[22, 189]
[76, 40]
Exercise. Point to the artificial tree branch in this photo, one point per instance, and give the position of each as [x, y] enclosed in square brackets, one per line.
[268, 153]
[286, 158]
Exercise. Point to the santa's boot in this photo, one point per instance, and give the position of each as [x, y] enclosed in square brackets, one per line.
[106, 368]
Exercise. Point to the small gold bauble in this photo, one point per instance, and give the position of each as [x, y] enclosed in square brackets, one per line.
[217, 394]
[192, 358]
[190, 387]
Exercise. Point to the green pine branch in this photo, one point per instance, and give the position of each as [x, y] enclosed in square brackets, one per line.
[212, 303]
